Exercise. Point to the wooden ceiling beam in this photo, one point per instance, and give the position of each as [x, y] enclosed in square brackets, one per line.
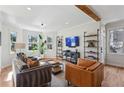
[89, 12]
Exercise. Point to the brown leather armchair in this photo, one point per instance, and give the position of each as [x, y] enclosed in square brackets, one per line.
[85, 73]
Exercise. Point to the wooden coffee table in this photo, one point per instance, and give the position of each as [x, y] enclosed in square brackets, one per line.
[56, 66]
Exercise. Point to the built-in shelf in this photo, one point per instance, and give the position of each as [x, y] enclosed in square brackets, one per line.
[59, 47]
[91, 41]
[92, 44]
[90, 47]
[93, 35]
[92, 52]
[91, 58]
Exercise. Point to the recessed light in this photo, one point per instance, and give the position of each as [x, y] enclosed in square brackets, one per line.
[29, 8]
[66, 23]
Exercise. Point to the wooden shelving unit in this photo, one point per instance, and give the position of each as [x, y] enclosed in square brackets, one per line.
[91, 46]
[59, 46]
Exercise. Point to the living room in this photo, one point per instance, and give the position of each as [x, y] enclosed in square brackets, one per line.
[59, 43]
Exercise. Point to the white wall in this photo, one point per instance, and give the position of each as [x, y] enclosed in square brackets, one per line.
[79, 30]
[7, 25]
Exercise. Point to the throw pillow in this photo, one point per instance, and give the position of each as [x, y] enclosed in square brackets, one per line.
[31, 63]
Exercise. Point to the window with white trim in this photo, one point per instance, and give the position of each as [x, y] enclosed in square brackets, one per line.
[33, 42]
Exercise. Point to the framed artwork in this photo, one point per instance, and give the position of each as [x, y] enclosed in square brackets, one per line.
[13, 37]
[0, 38]
[49, 46]
[49, 39]
[49, 43]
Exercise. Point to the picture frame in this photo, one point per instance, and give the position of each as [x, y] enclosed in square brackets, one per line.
[49, 40]
[49, 43]
[49, 46]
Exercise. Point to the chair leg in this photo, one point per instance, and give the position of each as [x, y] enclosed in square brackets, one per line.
[68, 83]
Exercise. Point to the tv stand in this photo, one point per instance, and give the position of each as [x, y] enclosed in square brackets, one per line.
[71, 56]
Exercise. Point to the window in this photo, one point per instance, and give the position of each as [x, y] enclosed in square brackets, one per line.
[13, 36]
[33, 42]
[117, 41]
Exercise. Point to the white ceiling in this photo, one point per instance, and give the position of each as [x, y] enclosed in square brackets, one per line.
[109, 13]
[54, 16]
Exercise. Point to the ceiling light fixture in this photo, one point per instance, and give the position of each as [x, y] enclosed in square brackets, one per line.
[66, 23]
[42, 25]
[29, 8]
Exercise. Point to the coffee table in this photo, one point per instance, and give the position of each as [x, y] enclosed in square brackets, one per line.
[57, 66]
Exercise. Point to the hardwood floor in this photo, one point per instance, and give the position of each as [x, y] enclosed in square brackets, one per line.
[6, 77]
[113, 77]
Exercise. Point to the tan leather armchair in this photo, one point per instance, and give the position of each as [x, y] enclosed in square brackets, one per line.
[85, 73]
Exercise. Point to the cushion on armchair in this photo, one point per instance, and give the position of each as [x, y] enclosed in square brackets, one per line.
[85, 63]
[94, 66]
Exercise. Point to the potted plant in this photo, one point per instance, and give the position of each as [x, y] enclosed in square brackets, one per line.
[42, 45]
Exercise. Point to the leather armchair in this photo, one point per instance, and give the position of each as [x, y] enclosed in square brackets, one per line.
[85, 74]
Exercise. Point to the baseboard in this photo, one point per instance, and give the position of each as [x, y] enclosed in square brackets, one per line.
[113, 66]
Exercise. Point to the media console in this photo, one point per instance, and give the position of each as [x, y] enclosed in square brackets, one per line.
[71, 56]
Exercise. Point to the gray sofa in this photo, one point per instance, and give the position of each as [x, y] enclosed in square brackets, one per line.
[30, 77]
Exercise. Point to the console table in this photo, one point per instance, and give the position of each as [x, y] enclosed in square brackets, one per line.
[71, 56]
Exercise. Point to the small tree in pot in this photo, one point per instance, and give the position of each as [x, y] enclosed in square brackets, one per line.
[42, 45]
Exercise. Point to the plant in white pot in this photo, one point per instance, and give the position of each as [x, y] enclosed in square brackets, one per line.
[42, 45]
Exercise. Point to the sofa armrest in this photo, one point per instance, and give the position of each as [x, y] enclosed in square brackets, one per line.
[35, 77]
[98, 75]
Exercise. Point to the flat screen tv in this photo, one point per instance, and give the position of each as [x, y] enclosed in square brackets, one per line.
[72, 41]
